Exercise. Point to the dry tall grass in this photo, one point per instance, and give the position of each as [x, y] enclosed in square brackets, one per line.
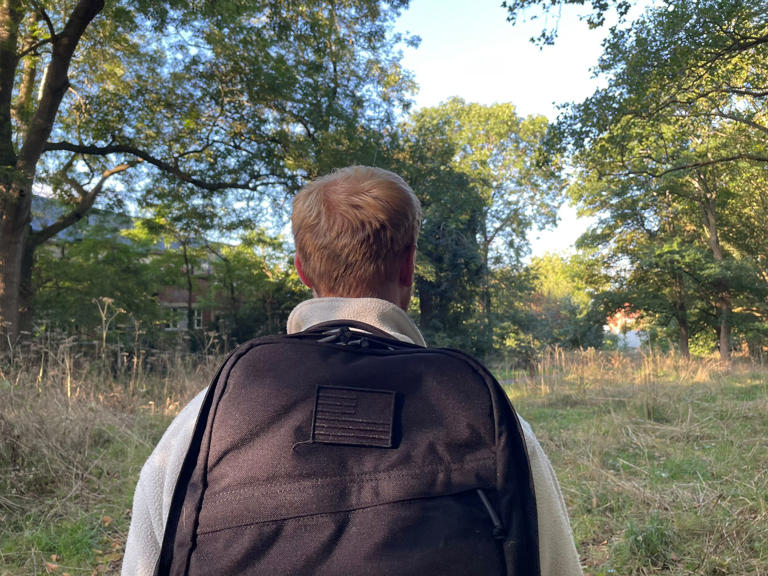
[75, 432]
[663, 462]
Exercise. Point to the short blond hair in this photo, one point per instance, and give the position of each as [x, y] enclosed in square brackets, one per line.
[352, 227]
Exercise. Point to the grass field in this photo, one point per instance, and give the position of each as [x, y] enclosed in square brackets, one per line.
[663, 463]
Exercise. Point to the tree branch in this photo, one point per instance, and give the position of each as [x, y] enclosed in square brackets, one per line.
[87, 199]
[10, 17]
[742, 120]
[24, 100]
[693, 165]
[170, 168]
[31, 48]
[739, 91]
[44, 15]
[56, 83]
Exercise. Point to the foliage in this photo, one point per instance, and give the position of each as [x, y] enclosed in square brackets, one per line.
[72, 276]
[248, 288]
[224, 105]
[599, 9]
[500, 155]
[253, 287]
[671, 158]
[448, 262]
[562, 306]
[484, 185]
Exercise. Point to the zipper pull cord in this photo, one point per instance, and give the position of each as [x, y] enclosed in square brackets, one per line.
[498, 527]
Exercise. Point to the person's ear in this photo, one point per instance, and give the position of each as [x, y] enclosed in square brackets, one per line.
[300, 270]
[408, 266]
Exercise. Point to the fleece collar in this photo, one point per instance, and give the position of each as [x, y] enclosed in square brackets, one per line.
[379, 313]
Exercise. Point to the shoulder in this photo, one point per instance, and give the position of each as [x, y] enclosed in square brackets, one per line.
[154, 491]
[557, 550]
[543, 474]
[160, 472]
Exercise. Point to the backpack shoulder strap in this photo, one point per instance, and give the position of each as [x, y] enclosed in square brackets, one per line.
[186, 480]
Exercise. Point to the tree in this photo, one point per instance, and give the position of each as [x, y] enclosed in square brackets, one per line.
[678, 123]
[253, 287]
[180, 233]
[448, 257]
[97, 263]
[221, 96]
[595, 18]
[499, 154]
[563, 311]
[483, 186]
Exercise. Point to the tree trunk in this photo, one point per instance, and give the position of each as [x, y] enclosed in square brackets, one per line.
[682, 323]
[15, 215]
[724, 341]
[485, 297]
[426, 306]
[190, 297]
[17, 172]
[681, 314]
[722, 286]
[26, 289]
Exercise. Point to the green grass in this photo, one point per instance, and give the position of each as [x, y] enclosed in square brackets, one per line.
[68, 484]
[663, 463]
[73, 446]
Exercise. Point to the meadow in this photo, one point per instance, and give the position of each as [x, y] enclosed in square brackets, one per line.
[663, 462]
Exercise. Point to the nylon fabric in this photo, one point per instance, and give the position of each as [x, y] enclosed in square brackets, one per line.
[264, 499]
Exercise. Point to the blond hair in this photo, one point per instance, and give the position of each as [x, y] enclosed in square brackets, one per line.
[352, 228]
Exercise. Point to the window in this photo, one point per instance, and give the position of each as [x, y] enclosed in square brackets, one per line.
[177, 319]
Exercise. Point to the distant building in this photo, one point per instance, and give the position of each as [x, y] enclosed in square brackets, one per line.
[46, 210]
[620, 324]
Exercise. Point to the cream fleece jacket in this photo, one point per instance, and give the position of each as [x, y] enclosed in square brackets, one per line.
[152, 498]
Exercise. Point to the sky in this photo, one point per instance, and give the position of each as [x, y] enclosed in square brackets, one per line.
[468, 49]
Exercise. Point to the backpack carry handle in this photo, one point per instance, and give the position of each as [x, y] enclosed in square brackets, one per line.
[327, 327]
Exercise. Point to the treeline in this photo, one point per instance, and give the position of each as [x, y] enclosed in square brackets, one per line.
[200, 120]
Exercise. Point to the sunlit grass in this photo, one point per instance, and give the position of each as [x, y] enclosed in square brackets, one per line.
[663, 462]
[74, 441]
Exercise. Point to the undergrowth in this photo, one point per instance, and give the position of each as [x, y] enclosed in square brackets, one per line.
[74, 438]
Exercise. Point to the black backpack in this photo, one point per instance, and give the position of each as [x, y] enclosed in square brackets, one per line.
[338, 452]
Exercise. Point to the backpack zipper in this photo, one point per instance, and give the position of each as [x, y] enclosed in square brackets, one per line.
[498, 527]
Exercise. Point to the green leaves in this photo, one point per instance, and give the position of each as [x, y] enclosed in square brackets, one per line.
[231, 95]
[239, 101]
[671, 153]
[485, 182]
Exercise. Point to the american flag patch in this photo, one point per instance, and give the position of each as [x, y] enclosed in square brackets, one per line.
[353, 416]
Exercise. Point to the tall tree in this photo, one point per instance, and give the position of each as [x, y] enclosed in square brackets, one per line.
[253, 286]
[563, 311]
[499, 154]
[448, 259]
[680, 119]
[227, 95]
[485, 187]
[95, 264]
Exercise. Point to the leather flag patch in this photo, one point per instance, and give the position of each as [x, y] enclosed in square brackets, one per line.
[353, 416]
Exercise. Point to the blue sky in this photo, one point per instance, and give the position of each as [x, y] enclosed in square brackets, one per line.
[468, 49]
